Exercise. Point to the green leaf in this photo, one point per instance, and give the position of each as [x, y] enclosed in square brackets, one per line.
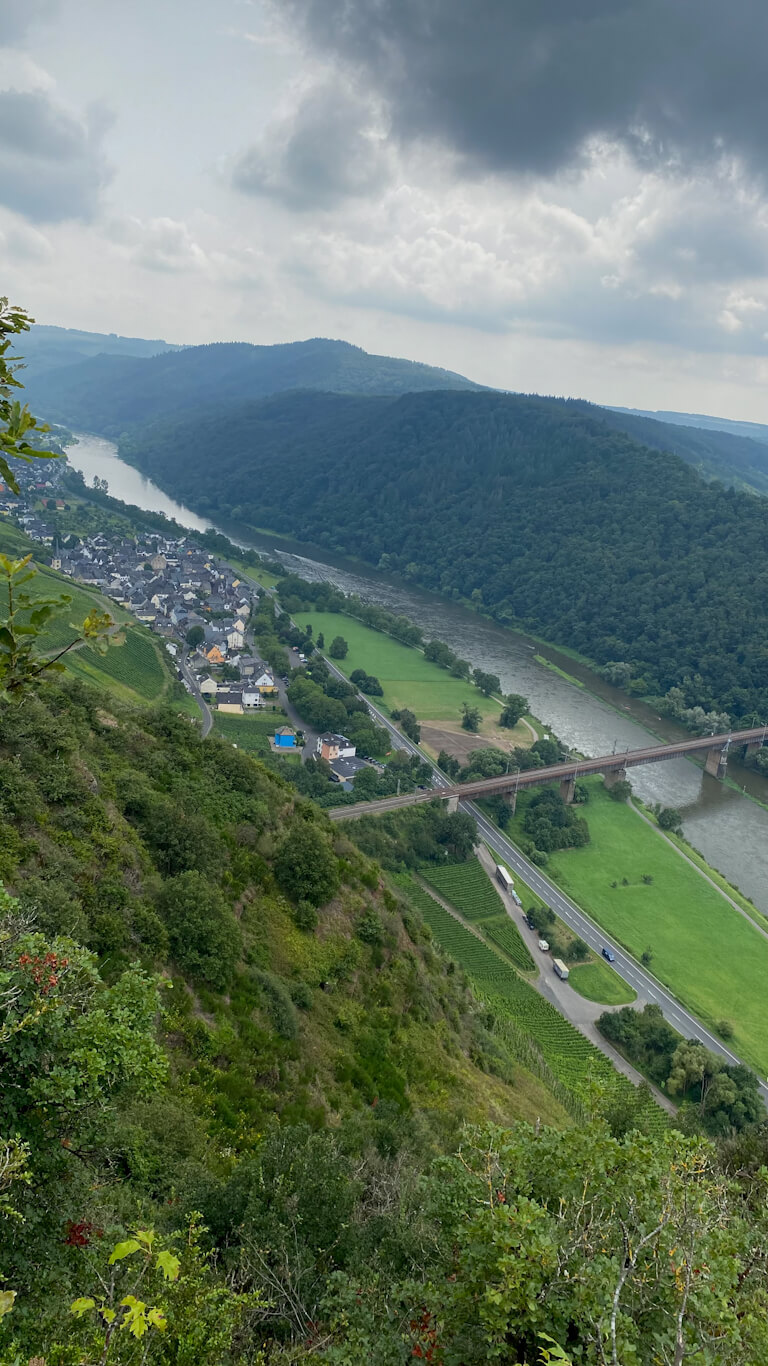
[158, 1320]
[124, 1250]
[145, 1236]
[7, 1299]
[81, 1306]
[169, 1265]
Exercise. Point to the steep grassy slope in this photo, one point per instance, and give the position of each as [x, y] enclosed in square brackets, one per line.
[123, 828]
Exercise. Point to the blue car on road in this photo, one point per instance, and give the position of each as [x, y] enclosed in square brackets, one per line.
[609, 954]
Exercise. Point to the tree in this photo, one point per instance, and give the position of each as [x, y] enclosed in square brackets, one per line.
[338, 648]
[195, 636]
[365, 784]
[487, 683]
[16, 421]
[646, 957]
[471, 717]
[204, 935]
[320, 641]
[408, 723]
[669, 818]
[621, 791]
[306, 867]
[515, 706]
[448, 764]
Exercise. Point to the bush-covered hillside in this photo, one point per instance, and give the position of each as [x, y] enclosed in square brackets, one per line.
[301, 990]
[533, 508]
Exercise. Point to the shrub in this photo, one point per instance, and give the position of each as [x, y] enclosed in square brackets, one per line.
[278, 1003]
[306, 867]
[305, 917]
[203, 934]
[370, 929]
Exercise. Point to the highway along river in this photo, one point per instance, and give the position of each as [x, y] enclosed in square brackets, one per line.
[729, 830]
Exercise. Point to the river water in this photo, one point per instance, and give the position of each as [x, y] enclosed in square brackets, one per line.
[730, 830]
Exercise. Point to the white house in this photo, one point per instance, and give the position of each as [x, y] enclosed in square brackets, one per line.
[209, 687]
[332, 747]
[235, 639]
[252, 697]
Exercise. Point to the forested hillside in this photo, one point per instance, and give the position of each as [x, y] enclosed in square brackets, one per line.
[112, 393]
[729, 456]
[48, 348]
[531, 508]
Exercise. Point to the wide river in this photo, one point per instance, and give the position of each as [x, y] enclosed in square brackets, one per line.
[730, 830]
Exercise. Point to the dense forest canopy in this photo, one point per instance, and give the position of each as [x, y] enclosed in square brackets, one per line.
[111, 393]
[532, 507]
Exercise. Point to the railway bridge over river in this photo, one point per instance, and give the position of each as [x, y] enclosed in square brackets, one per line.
[714, 748]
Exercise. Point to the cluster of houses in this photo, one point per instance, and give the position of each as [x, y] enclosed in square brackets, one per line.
[173, 586]
[170, 585]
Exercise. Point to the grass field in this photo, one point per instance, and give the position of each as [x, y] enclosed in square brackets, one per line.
[408, 679]
[250, 733]
[713, 959]
[573, 1059]
[598, 982]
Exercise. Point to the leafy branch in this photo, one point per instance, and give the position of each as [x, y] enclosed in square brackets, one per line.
[25, 617]
[16, 421]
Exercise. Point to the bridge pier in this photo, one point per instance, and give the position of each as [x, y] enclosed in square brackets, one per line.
[717, 761]
[453, 805]
[614, 776]
[753, 747]
[568, 789]
[511, 800]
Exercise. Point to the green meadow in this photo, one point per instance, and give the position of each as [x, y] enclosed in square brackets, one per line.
[408, 679]
[712, 958]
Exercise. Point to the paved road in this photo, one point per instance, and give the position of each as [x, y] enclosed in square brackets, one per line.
[646, 986]
[643, 982]
[196, 693]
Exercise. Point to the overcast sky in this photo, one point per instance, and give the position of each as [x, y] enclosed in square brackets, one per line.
[566, 196]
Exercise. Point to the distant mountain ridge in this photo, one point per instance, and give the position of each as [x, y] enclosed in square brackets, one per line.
[756, 431]
[110, 393]
[130, 382]
[47, 348]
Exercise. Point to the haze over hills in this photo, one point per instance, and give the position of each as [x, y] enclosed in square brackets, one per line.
[757, 431]
[537, 509]
[717, 453]
[109, 393]
[131, 381]
[48, 348]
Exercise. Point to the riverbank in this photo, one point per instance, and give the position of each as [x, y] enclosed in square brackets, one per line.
[730, 833]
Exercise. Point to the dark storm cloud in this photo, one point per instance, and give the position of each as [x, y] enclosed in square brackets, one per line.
[521, 85]
[319, 155]
[51, 166]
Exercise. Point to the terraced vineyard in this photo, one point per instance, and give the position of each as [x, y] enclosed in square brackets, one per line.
[467, 887]
[508, 938]
[135, 664]
[572, 1058]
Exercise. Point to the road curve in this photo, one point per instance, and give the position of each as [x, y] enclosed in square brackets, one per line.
[646, 986]
[194, 689]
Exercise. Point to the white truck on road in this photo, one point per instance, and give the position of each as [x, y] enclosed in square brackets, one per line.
[503, 878]
[560, 968]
